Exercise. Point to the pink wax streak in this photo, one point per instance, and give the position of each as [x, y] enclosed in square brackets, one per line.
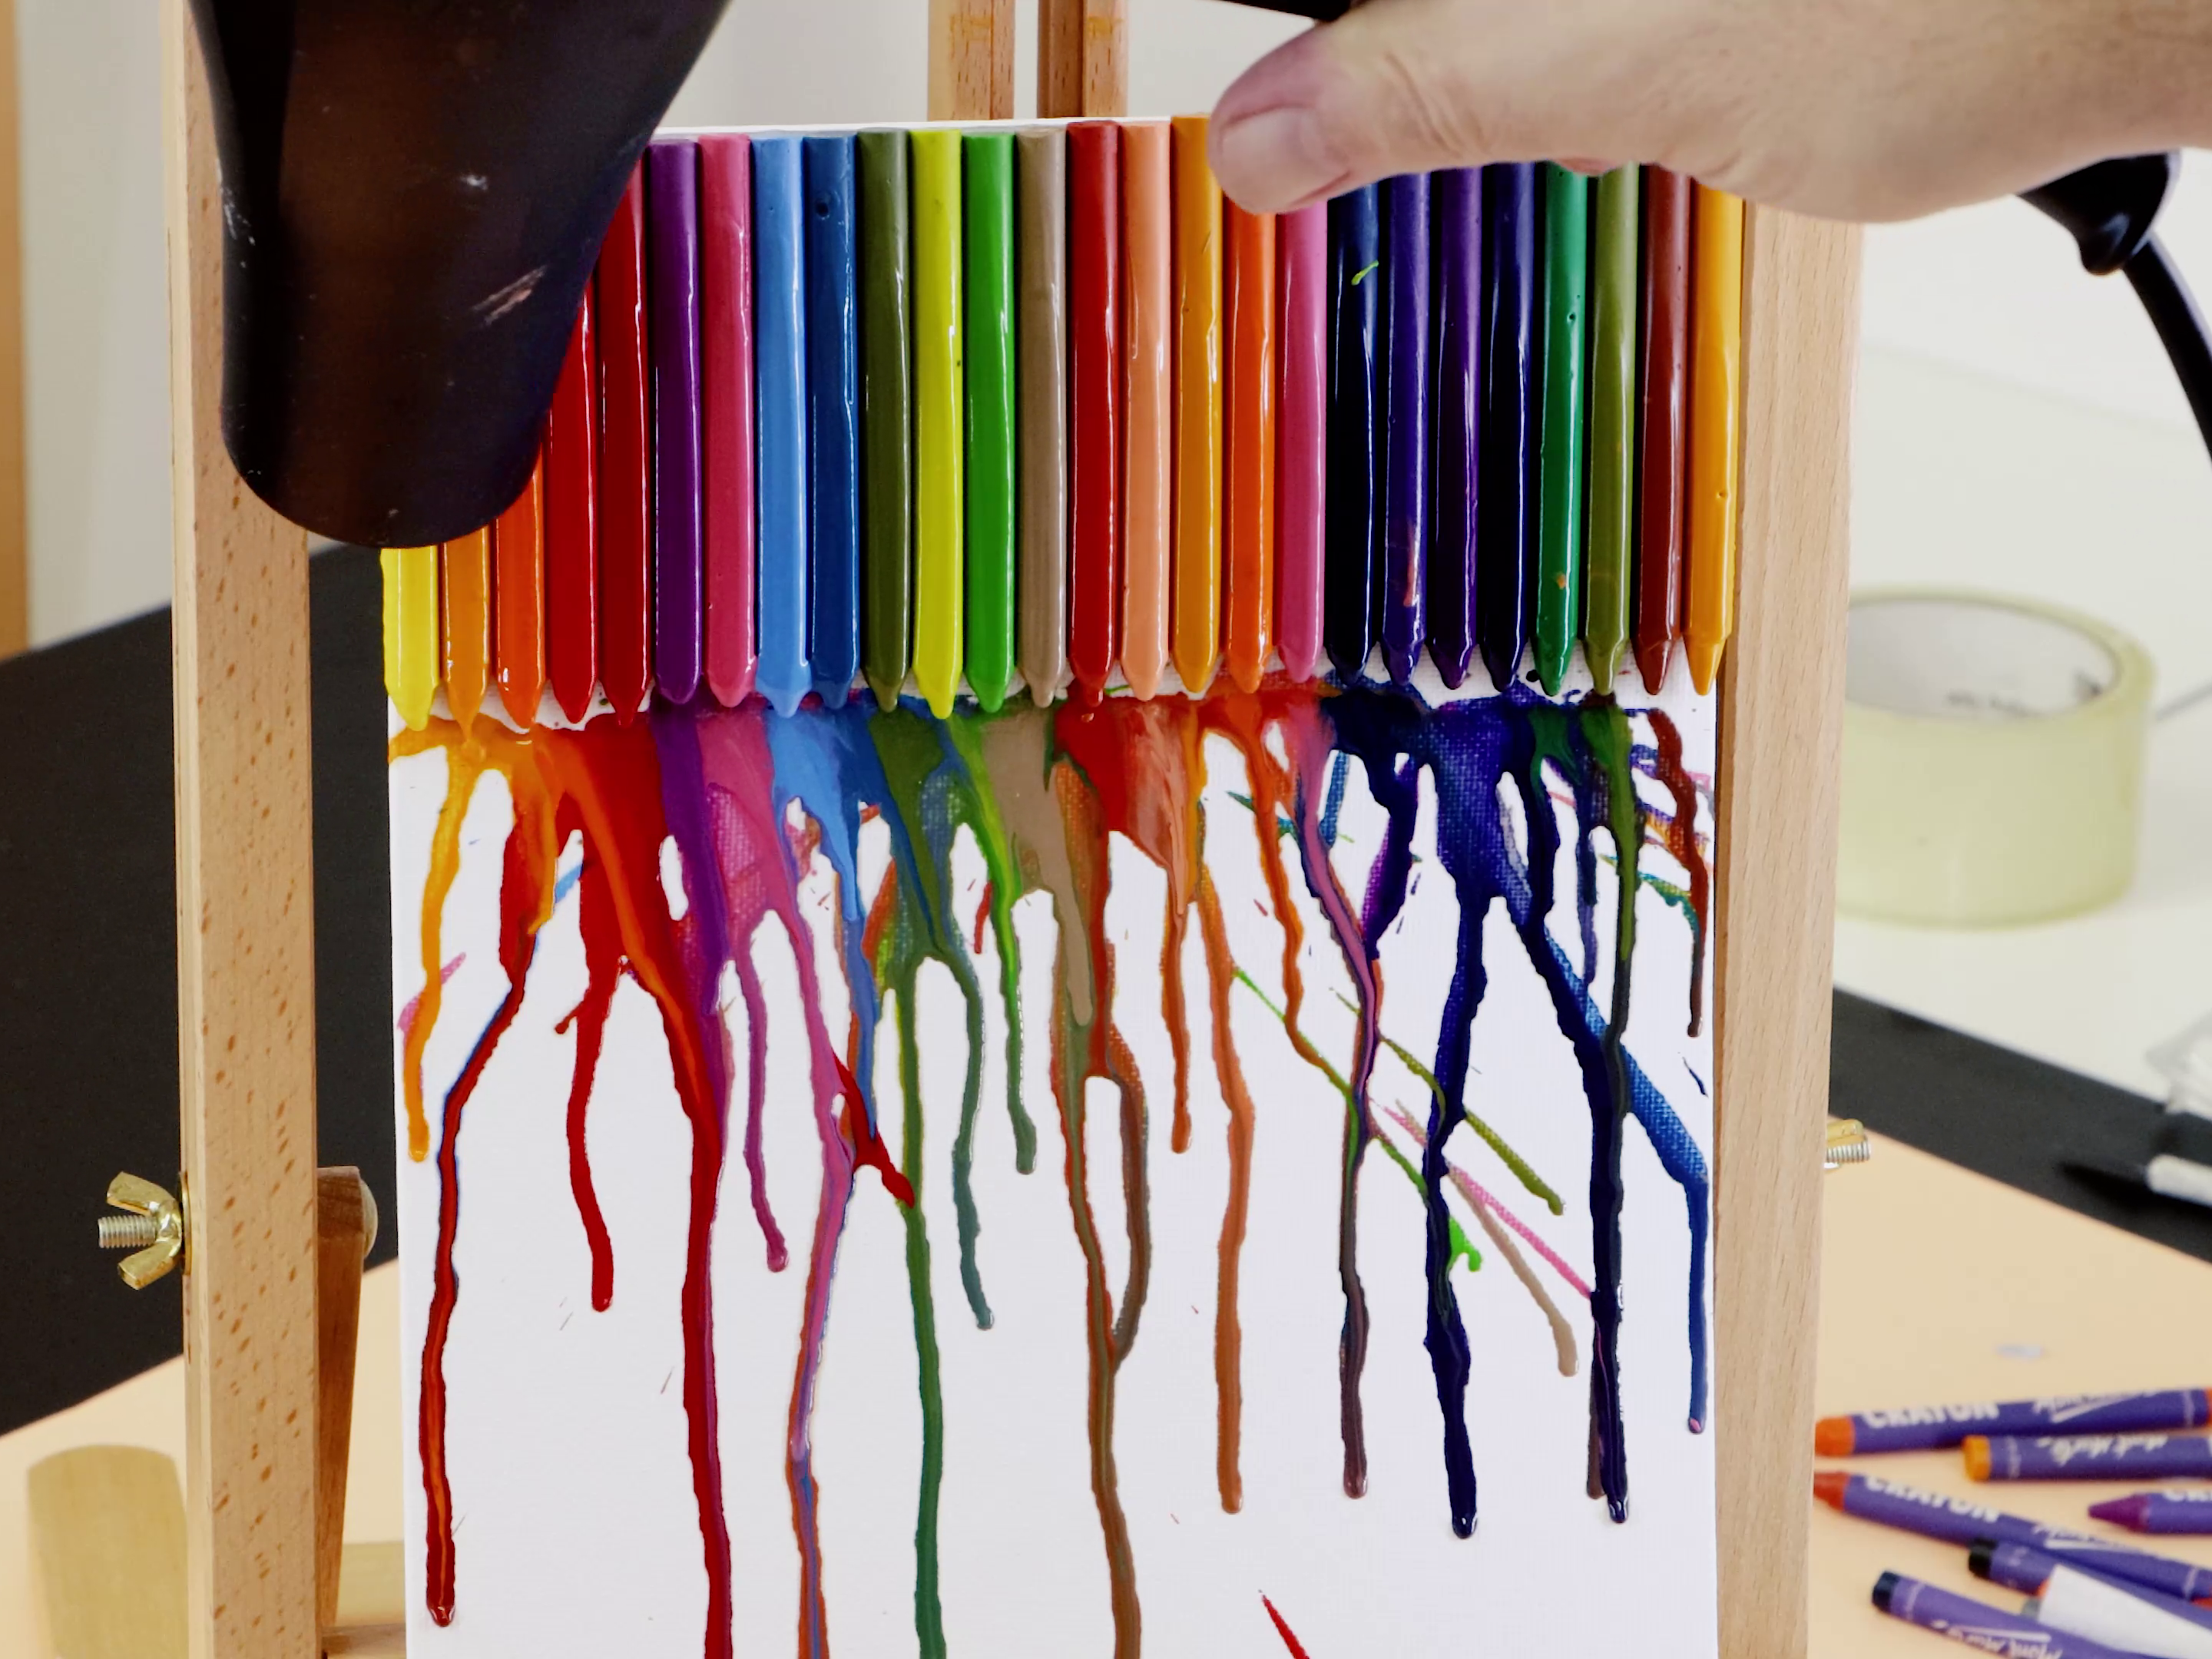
[1481, 1196]
[1302, 471]
[405, 1022]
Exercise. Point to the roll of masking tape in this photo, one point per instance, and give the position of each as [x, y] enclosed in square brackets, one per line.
[1993, 753]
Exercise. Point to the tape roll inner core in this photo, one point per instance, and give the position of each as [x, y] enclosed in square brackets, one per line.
[1942, 657]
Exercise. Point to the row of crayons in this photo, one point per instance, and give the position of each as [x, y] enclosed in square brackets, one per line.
[1039, 407]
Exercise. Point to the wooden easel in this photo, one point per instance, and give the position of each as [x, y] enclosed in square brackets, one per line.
[264, 1494]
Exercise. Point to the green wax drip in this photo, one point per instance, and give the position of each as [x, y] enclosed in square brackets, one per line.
[976, 806]
[1531, 1182]
[928, 1608]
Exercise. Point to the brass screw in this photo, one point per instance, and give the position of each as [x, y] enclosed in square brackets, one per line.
[1847, 1144]
[154, 1230]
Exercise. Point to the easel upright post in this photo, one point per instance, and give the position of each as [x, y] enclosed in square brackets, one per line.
[1083, 58]
[971, 60]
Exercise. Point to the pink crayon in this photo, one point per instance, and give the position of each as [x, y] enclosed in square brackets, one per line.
[1301, 472]
[2173, 1512]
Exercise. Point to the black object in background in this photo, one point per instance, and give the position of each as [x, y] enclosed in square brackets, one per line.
[1321, 11]
[89, 975]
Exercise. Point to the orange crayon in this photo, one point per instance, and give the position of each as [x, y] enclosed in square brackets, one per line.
[467, 569]
[1148, 333]
[518, 542]
[1195, 624]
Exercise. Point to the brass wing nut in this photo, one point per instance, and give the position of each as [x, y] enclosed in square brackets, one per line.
[154, 1230]
[1847, 1145]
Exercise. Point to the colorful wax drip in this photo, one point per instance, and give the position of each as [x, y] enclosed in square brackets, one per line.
[1042, 793]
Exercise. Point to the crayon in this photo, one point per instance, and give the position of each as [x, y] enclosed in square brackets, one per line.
[1302, 430]
[1194, 630]
[680, 595]
[1608, 595]
[572, 536]
[1455, 230]
[1148, 341]
[832, 416]
[1559, 534]
[1094, 312]
[940, 407]
[1041, 171]
[1927, 1428]
[1716, 433]
[1505, 513]
[987, 221]
[2180, 1513]
[1248, 598]
[1990, 1630]
[1405, 403]
[410, 631]
[2087, 1457]
[518, 547]
[464, 569]
[726, 411]
[2083, 1606]
[625, 467]
[886, 413]
[2032, 1571]
[1664, 437]
[785, 673]
[1959, 1521]
[1353, 613]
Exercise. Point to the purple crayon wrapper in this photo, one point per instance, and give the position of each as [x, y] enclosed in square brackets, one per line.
[2174, 1513]
[1927, 1428]
[1984, 1628]
[2030, 1570]
[2087, 1457]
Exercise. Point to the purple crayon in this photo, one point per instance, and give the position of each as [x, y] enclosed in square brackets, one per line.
[1957, 1520]
[2173, 1512]
[1927, 1428]
[1405, 401]
[2032, 1572]
[1987, 1628]
[2086, 1456]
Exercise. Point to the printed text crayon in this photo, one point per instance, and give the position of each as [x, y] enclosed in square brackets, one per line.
[518, 544]
[1354, 617]
[1927, 1428]
[1960, 1520]
[940, 400]
[410, 631]
[726, 411]
[781, 604]
[2123, 1620]
[1608, 587]
[1247, 592]
[1042, 593]
[464, 569]
[2179, 1513]
[2087, 1457]
[2031, 1572]
[1455, 412]
[1992, 1630]
[679, 593]
[1094, 313]
[1664, 435]
[1405, 411]
[1302, 430]
[1195, 627]
[1559, 535]
[1715, 432]
[832, 416]
[886, 413]
[572, 536]
[625, 458]
[986, 218]
[1505, 511]
[1148, 345]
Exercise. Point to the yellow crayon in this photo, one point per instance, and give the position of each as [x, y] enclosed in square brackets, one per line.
[1715, 430]
[410, 631]
[940, 409]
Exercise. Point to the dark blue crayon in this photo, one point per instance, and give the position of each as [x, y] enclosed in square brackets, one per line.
[2086, 1456]
[1505, 513]
[1353, 572]
[1406, 445]
[1456, 414]
[2172, 1512]
[1980, 1627]
[833, 416]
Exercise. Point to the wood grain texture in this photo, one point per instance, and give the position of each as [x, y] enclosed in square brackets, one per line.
[971, 60]
[245, 965]
[341, 1242]
[1782, 704]
[108, 1533]
[1083, 58]
[14, 529]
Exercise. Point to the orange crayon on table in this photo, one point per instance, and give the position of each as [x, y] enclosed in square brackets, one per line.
[1195, 628]
[465, 567]
[1148, 336]
[1715, 430]
[518, 546]
[1248, 590]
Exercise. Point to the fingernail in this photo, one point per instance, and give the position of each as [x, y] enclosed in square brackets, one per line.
[1277, 158]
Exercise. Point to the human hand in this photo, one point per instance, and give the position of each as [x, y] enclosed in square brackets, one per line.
[1848, 109]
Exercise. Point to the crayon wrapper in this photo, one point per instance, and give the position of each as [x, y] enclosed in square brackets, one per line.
[1927, 1428]
[2097, 1456]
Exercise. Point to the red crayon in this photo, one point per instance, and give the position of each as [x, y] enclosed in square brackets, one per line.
[518, 542]
[1664, 432]
[1094, 312]
[625, 494]
[570, 464]
[726, 280]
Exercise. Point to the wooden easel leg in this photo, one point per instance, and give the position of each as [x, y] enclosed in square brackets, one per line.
[14, 529]
[971, 60]
[343, 1240]
[1083, 58]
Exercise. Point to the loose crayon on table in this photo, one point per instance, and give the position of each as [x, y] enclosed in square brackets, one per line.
[726, 411]
[518, 587]
[411, 650]
[886, 413]
[1559, 536]
[1927, 1428]
[1715, 432]
[625, 458]
[1302, 438]
[1195, 638]
[2032, 1571]
[570, 462]
[1148, 341]
[2179, 1513]
[832, 416]
[1247, 598]
[1094, 309]
[781, 605]
[679, 592]
[1042, 593]
[2083, 1606]
[1406, 407]
[1608, 582]
[1977, 1624]
[2080, 1457]
[1455, 411]
[464, 567]
[1664, 434]
[940, 400]
[1354, 578]
[1505, 511]
[987, 217]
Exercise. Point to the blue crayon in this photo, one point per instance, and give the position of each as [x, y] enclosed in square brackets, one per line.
[2086, 1456]
[1505, 514]
[1924, 1428]
[833, 414]
[1352, 565]
[785, 674]
[1455, 415]
[1984, 1628]
[1405, 442]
